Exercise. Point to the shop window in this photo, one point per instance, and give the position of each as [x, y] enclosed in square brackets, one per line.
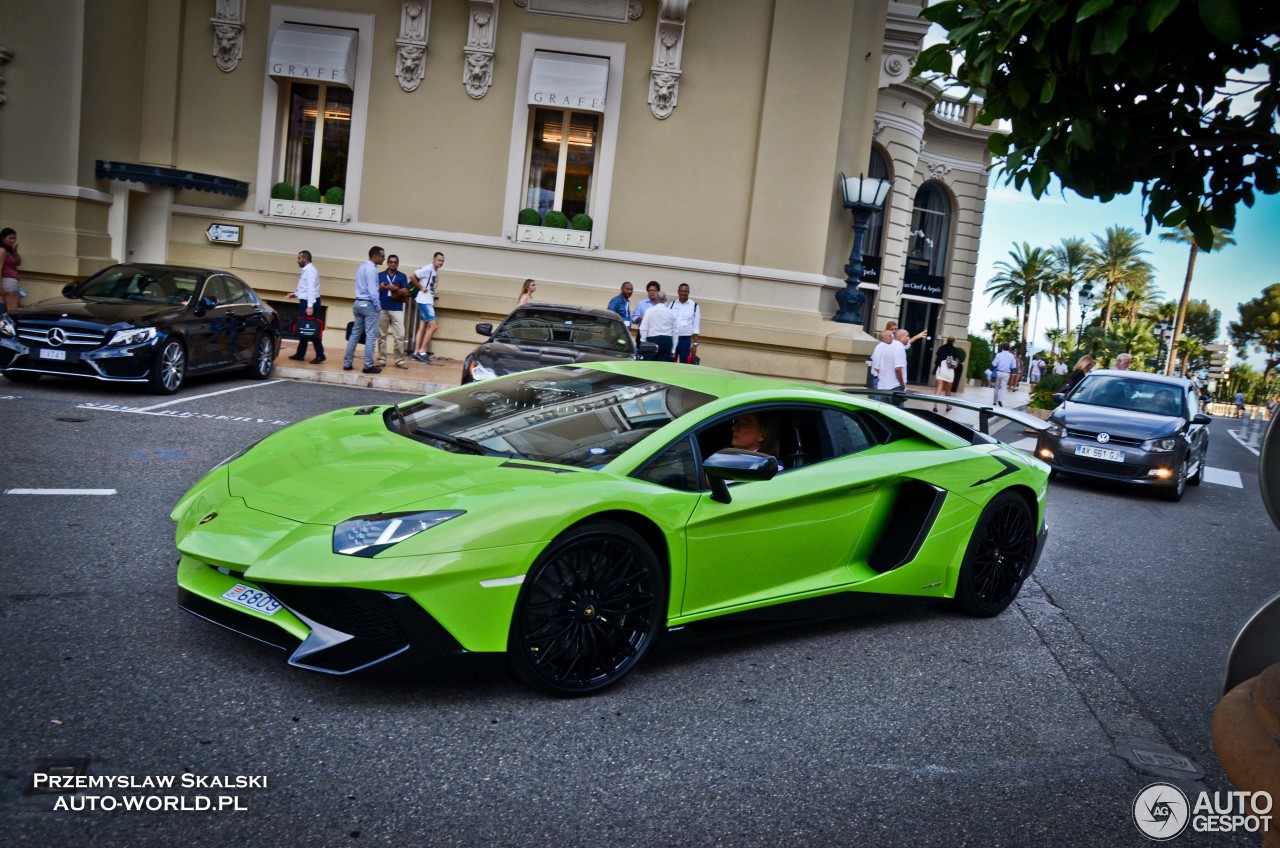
[561, 164]
[316, 140]
[930, 227]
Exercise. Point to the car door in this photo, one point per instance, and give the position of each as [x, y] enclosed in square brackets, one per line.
[208, 326]
[242, 313]
[797, 533]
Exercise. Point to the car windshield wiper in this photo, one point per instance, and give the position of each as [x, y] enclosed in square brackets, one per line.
[468, 445]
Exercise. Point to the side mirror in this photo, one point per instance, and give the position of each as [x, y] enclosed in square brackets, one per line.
[203, 305]
[646, 349]
[69, 290]
[484, 329]
[1201, 418]
[737, 465]
[1059, 397]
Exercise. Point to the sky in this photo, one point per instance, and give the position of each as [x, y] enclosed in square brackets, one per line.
[1225, 278]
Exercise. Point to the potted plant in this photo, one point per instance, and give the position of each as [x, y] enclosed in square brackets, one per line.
[283, 191]
[581, 221]
[557, 220]
[529, 217]
[554, 229]
[309, 194]
[335, 196]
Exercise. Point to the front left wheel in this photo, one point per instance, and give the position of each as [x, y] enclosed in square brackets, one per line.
[264, 358]
[170, 368]
[590, 608]
[999, 557]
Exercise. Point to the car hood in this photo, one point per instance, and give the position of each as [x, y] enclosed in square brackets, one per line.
[1117, 422]
[328, 469]
[508, 357]
[94, 312]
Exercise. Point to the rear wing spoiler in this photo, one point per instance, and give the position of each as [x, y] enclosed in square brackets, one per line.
[988, 418]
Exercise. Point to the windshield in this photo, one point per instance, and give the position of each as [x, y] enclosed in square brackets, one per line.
[567, 328]
[1130, 393]
[127, 283]
[571, 416]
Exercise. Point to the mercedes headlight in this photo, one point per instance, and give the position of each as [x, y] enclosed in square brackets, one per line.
[370, 535]
[6, 327]
[1160, 445]
[481, 372]
[133, 336]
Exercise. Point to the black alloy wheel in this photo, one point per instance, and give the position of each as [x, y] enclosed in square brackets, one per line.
[264, 358]
[1178, 489]
[998, 558]
[589, 610]
[169, 369]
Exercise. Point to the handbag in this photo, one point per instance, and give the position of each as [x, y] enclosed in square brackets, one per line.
[308, 328]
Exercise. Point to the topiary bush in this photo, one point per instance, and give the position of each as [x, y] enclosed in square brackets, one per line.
[282, 191]
[980, 356]
[335, 196]
[529, 218]
[309, 194]
[582, 221]
[557, 219]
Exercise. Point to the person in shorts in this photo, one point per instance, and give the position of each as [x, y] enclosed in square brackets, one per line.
[424, 280]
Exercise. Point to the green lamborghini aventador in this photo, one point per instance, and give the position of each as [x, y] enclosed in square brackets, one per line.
[571, 516]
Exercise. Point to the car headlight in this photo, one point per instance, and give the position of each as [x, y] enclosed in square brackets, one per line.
[370, 535]
[6, 326]
[1160, 445]
[1056, 429]
[132, 336]
[481, 372]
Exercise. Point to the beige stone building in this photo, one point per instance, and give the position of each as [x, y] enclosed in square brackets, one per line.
[704, 139]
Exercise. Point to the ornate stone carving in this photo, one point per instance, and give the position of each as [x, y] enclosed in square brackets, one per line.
[228, 33]
[634, 10]
[668, 49]
[482, 36]
[877, 127]
[937, 170]
[895, 68]
[411, 46]
[522, 3]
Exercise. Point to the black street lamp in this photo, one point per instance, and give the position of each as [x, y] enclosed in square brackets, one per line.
[1086, 300]
[862, 196]
[1162, 333]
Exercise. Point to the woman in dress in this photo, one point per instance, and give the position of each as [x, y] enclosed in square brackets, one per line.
[945, 363]
[9, 284]
[526, 292]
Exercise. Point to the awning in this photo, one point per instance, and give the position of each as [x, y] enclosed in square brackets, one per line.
[317, 54]
[169, 177]
[568, 81]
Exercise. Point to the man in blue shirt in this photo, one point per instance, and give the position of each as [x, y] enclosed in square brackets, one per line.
[365, 325]
[393, 294]
[1004, 365]
[621, 304]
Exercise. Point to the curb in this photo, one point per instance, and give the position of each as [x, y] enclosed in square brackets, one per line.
[356, 379]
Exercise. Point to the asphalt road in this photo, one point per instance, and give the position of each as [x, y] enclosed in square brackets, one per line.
[918, 727]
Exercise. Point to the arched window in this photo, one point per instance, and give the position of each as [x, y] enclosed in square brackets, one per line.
[873, 244]
[930, 227]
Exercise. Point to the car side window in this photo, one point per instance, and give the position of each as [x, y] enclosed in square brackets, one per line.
[215, 287]
[674, 467]
[235, 290]
[850, 433]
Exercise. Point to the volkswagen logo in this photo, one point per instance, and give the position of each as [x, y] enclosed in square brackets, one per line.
[56, 337]
[1103, 438]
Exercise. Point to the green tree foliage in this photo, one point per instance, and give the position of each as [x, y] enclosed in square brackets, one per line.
[1108, 94]
[1259, 326]
[980, 355]
[1069, 258]
[1221, 238]
[1116, 262]
[1019, 281]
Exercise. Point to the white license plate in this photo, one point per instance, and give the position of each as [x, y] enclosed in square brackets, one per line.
[1100, 453]
[254, 599]
[45, 353]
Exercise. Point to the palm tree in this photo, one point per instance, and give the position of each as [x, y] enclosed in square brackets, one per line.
[1019, 281]
[1141, 297]
[1188, 348]
[1116, 262]
[1138, 338]
[1055, 337]
[1068, 272]
[1221, 238]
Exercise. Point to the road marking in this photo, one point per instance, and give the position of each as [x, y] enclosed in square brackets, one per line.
[1222, 477]
[207, 395]
[1028, 445]
[59, 491]
[1235, 434]
[175, 414]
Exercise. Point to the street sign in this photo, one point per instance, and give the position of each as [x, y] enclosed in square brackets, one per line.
[225, 233]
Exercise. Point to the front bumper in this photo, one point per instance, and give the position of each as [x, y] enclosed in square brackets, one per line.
[1136, 466]
[124, 363]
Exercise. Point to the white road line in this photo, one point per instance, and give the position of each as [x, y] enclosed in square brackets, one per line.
[1222, 477]
[1235, 434]
[174, 414]
[209, 394]
[1028, 445]
[59, 491]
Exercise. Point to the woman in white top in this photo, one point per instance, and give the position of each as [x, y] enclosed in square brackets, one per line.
[526, 292]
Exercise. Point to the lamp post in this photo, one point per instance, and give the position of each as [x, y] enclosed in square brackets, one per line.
[1086, 300]
[862, 196]
[1162, 333]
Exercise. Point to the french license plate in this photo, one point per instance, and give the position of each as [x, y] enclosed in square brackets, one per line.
[45, 353]
[1100, 453]
[254, 599]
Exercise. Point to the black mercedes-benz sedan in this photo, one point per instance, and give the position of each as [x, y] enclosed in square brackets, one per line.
[152, 324]
[1129, 427]
[536, 335]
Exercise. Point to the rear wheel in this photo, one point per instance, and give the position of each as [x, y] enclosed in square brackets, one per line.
[999, 556]
[589, 610]
[169, 369]
[264, 358]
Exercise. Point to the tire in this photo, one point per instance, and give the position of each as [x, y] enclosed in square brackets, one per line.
[1178, 489]
[170, 368]
[999, 557]
[264, 358]
[21, 376]
[1199, 475]
[1053, 474]
[589, 610]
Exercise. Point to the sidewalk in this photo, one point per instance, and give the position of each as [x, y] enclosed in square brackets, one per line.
[417, 378]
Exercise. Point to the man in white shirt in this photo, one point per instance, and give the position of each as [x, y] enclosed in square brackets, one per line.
[1004, 365]
[659, 327]
[878, 361]
[424, 279]
[366, 311]
[688, 323]
[653, 289]
[307, 293]
[1060, 368]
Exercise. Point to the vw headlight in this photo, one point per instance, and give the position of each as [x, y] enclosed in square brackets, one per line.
[481, 372]
[1160, 445]
[132, 336]
[1056, 429]
[370, 535]
[6, 327]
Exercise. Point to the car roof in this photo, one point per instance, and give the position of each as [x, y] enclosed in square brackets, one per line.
[564, 307]
[1180, 382]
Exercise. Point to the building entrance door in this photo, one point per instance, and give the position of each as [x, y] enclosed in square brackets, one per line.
[914, 316]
